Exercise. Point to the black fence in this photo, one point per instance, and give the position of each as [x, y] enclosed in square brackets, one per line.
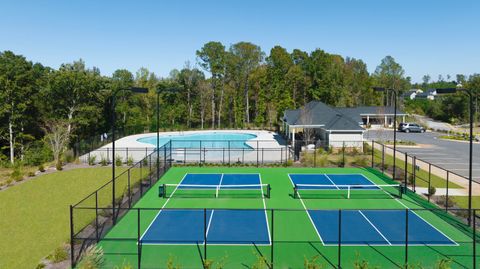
[457, 245]
[115, 198]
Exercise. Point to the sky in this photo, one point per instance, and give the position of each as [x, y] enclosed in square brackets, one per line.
[435, 37]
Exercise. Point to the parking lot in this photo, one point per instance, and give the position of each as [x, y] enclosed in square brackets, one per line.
[451, 155]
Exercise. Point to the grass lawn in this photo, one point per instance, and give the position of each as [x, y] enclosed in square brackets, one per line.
[462, 201]
[34, 216]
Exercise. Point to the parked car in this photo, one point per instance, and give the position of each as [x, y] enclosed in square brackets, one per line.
[408, 127]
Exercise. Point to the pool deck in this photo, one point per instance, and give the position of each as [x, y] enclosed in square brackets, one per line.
[129, 146]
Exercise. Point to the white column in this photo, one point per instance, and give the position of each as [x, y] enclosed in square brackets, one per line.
[386, 121]
[403, 118]
[368, 119]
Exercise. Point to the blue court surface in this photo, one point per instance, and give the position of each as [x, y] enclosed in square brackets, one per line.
[376, 227]
[227, 181]
[331, 181]
[221, 227]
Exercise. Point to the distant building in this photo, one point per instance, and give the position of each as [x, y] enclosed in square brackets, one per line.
[411, 94]
[332, 126]
[428, 94]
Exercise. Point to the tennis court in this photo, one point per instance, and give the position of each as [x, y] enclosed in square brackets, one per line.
[240, 217]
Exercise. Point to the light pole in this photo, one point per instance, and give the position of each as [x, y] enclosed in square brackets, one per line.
[161, 89]
[114, 95]
[380, 89]
[470, 95]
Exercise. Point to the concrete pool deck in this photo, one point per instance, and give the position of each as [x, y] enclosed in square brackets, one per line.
[273, 145]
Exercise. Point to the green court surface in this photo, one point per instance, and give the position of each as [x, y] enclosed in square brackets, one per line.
[290, 227]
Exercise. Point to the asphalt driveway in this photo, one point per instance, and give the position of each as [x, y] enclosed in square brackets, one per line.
[450, 155]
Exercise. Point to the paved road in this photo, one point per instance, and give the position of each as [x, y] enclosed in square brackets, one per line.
[450, 155]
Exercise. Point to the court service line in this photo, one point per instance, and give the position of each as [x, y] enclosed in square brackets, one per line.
[164, 205]
[308, 213]
[265, 209]
[331, 181]
[375, 227]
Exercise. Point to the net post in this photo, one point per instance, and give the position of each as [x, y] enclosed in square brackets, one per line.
[474, 228]
[405, 177]
[273, 239]
[339, 254]
[72, 245]
[295, 194]
[97, 237]
[348, 192]
[139, 242]
[204, 235]
[406, 236]
[446, 196]
[373, 154]
[269, 189]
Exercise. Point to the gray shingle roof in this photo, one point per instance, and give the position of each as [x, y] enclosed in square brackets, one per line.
[318, 113]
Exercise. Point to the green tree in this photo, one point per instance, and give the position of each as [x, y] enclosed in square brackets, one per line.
[390, 74]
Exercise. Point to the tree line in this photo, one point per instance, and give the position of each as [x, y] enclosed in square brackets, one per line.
[239, 86]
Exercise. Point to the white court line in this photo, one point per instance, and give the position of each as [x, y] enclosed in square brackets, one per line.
[265, 210]
[400, 202]
[165, 204]
[308, 213]
[208, 226]
[375, 227]
[331, 181]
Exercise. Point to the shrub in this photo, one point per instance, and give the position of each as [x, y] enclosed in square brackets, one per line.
[443, 201]
[41, 265]
[321, 161]
[443, 264]
[172, 263]
[431, 191]
[69, 157]
[41, 168]
[92, 159]
[58, 165]
[103, 161]
[93, 258]
[58, 255]
[125, 265]
[360, 161]
[37, 153]
[9, 181]
[130, 161]
[17, 174]
[31, 174]
[118, 160]
[145, 161]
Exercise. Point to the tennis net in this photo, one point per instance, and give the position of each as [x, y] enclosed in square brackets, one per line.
[215, 191]
[319, 191]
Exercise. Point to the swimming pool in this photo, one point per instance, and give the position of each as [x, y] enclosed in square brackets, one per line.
[212, 140]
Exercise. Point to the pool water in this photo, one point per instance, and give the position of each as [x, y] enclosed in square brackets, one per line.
[210, 140]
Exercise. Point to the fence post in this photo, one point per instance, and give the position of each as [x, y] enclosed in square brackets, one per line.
[273, 240]
[126, 157]
[446, 196]
[139, 244]
[314, 155]
[228, 152]
[72, 245]
[406, 237]
[164, 158]
[200, 152]
[383, 159]
[263, 155]
[129, 191]
[474, 239]
[414, 171]
[343, 154]
[339, 239]
[429, 179]
[406, 173]
[373, 153]
[257, 153]
[96, 217]
[287, 155]
[204, 236]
